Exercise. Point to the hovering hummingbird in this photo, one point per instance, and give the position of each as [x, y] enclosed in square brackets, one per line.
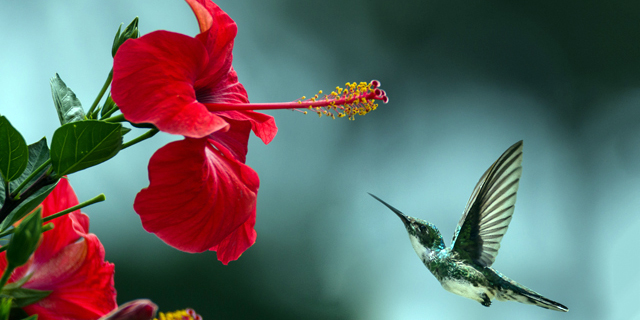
[465, 268]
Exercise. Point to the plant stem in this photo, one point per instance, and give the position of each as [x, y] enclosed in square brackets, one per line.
[7, 271]
[46, 227]
[33, 174]
[102, 91]
[141, 138]
[118, 118]
[96, 199]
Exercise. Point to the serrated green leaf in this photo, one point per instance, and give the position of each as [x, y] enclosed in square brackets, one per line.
[67, 104]
[79, 145]
[27, 205]
[14, 154]
[23, 297]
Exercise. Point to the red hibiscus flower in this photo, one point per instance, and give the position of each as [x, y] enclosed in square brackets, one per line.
[201, 194]
[70, 263]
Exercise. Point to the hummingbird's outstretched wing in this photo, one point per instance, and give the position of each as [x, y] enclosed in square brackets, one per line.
[489, 210]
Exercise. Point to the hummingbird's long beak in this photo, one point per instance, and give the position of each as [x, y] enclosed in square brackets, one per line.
[402, 216]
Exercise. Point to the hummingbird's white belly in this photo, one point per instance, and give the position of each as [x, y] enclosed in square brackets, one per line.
[422, 252]
[467, 290]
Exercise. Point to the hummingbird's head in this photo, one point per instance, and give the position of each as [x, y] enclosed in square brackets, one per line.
[424, 236]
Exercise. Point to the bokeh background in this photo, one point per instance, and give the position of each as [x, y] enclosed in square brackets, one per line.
[466, 80]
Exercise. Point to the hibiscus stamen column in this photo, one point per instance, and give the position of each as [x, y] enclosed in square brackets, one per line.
[355, 99]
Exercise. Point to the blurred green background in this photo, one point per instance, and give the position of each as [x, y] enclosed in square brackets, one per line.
[466, 79]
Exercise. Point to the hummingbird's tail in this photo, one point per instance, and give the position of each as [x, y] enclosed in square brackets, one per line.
[514, 291]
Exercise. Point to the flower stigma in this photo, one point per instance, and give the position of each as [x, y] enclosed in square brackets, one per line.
[352, 100]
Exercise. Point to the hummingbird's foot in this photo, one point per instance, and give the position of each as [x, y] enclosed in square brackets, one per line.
[485, 300]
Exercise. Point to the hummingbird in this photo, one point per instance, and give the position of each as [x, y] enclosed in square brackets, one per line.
[465, 267]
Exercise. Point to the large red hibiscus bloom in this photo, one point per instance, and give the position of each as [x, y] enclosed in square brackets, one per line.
[201, 194]
[70, 263]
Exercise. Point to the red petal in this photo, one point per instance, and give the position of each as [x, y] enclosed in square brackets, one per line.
[153, 82]
[263, 125]
[202, 14]
[232, 247]
[217, 29]
[236, 139]
[68, 227]
[82, 283]
[221, 86]
[197, 195]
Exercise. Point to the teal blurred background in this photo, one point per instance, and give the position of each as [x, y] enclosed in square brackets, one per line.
[466, 80]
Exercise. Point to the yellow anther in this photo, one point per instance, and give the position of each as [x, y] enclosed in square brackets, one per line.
[178, 315]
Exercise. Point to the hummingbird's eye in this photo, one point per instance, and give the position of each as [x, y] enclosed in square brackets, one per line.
[422, 228]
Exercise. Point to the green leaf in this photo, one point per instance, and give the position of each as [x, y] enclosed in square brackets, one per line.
[24, 240]
[27, 205]
[80, 145]
[24, 297]
[67, 104]
[125, 131]
[38, 154]
[14, 154]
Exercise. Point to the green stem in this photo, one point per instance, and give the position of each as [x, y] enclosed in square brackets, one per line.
[107, 114]
[33, 174]
[118, 118]
[96, 199]
[7, 271]
[141, 138]
[102, 91]
[46, 227]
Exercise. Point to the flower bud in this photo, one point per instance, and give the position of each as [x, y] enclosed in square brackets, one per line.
[130, 32]
[25, 239]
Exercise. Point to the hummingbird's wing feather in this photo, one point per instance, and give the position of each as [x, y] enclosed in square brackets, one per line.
[489, 210]
[511, 290]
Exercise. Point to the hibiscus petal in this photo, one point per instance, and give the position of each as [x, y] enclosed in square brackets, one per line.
[221, 86]
[197, 196]
[204, 17]
[217, 31]
[82, 283]
[153, 82]
[232, 247]
[68, 227]
[235, 140]
[263, 125]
